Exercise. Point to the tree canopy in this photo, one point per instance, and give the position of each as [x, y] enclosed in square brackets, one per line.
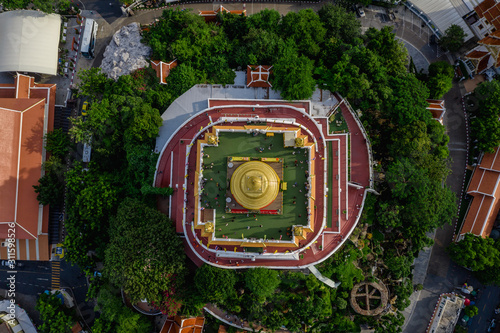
[154, 270]
[453, 38]
[55, 316]
[261, 281]
[485, 127]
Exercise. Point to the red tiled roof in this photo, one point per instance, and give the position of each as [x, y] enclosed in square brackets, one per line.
[210, 15]
[162, 69]
[483, 65]
[183, 325]
[475, 54]
[489, 40]
[436, 107]
[22, 115]
[485, 190]
[258, 76]
[490, 10]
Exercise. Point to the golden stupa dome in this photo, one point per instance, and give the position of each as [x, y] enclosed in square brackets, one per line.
[255, 185]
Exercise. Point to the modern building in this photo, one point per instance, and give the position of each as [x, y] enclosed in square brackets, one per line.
[29, 41]
[26, 114]
[162, 69]
[443, 13]
[259, 181]
[179, 324]
[484, 189]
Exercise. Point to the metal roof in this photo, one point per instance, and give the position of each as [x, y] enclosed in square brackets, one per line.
[29, 41]
[445, 13]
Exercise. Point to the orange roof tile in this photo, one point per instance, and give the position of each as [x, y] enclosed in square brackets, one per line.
[489, 41]
[22, 114]
[210, 15]
[183, 325]
[485, 190]
[258, 76]
[162, 69]
[483, 65]
[490, 10]
[436, 107]
[475, 54]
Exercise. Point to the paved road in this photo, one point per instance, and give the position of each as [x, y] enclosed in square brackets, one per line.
[108, 9]
[35, 277]
[487, 301]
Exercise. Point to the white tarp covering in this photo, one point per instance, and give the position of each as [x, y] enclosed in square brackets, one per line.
[444, 13]
[29, 41]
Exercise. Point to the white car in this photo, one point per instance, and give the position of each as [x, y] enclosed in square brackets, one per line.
[493, 324]
[361, 12]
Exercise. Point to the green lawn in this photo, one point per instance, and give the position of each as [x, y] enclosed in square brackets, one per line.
[246, 145]
[329, 206]
[338, 123]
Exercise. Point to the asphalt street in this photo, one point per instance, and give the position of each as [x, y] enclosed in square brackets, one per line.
[35, 277]
[109, 10]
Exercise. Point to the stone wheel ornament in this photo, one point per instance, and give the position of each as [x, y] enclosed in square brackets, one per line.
[369, 298]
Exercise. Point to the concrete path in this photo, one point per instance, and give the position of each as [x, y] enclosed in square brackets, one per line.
[324, 279]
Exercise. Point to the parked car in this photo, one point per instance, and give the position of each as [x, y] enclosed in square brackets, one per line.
[360, 11]
[492, 326]
[5, 263]
[84, 108]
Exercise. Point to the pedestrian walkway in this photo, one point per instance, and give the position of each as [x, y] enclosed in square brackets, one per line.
[56, 275]
[325, 280]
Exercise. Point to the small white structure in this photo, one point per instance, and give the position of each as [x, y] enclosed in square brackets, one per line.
[15, 317]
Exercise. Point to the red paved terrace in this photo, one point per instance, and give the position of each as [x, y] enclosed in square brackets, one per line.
[334, 198]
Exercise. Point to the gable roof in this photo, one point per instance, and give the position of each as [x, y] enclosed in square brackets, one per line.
[162, 69]
[485, 190]
[490, 10]
[211, 15]
[258, 76]
[179, 324]
[436, 107]
[26, 114]
[29, 41]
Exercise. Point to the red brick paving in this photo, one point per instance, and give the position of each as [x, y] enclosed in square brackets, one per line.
[351, 197]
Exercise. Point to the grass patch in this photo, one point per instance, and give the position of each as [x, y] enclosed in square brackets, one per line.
[368, 215]
[337, 123]
[329, 207]
[247, 145]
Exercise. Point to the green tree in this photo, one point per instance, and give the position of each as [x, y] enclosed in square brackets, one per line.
[293, 75]
[440, 79]
[261, 281]
[50, 190]
[306, 30]
[182, 78]
[453, 38]
[339, 23]
[215, 284]
[399, 266]
[155, 271]
[116, 317]
[54, 315]
[485, 127]
[389, 49]
[471, 311]
[57, 143]
[93, 83]
[475, 253]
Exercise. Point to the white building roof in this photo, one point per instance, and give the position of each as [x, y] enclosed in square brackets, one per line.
[445, 13]
[29, 41]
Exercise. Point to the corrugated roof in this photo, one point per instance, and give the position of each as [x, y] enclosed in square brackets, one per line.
[444, 14]
[29, 41]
